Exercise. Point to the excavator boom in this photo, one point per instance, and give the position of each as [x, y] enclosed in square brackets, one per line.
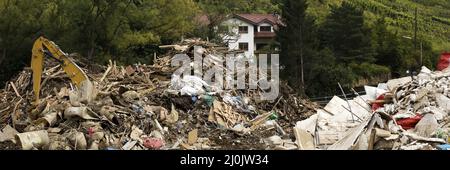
[45, 48]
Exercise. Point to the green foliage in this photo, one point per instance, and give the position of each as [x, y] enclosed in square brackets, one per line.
[345, 33]
[356, 46]
[433, 17]
[220, 8]
[367, 70]
[17, 32]
[97, 29]
[400, 53]
[325, 73]
[387, 46]
[115, 27]
[297, 41]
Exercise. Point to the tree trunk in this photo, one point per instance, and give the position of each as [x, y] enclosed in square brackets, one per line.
[302, 80]
[302, 90]
[91, 54]
[211, 32]
[297, 75]
[3, 56]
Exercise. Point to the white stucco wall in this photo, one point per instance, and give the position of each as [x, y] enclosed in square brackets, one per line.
[233, 42]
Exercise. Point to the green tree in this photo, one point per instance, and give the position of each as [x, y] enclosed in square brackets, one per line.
[399, 52]
[345, 33]
[21, 22]
[325, 73]
[119, 28]
[297, 40]
[263, 6]
[387, 47]
[128, 31]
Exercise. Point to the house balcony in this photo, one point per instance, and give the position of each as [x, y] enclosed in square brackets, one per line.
[265, 35]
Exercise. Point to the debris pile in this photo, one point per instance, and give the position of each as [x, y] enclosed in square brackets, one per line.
[410, 113]
[141, 107]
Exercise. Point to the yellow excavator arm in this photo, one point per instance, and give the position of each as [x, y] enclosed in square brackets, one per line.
[45, 48]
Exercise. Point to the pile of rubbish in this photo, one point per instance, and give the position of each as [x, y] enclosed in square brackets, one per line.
[410, 113]
[141, 107]
[146, 107]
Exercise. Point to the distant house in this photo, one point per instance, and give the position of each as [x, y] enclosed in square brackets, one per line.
[251, 33]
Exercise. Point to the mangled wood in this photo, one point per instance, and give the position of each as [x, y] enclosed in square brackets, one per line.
[193, 136]
[259, 120]
[173, 117]
[126, 119]
[225, 115]
[129, 145]
[382, 133]
[105, 74]
[15, 89]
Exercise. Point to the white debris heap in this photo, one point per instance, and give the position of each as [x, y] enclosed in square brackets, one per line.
[409, 113]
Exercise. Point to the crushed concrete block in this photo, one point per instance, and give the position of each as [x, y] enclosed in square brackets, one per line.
[274, 140]
[305, 140]
[439, 114]
[427, 126]
[393, 84]
[309, 124]
[443, 102]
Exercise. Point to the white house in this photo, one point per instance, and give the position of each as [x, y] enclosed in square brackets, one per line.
[251, 32]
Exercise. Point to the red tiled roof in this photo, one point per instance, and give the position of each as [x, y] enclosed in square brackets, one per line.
[259, 18]
[254, 19]
[265, 35]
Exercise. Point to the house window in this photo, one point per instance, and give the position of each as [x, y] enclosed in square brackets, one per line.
[243, 46]
[261, 46]
[243, 29]
[265, 29]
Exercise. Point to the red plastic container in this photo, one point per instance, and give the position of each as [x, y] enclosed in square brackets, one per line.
[444, 62]
[409, 123]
